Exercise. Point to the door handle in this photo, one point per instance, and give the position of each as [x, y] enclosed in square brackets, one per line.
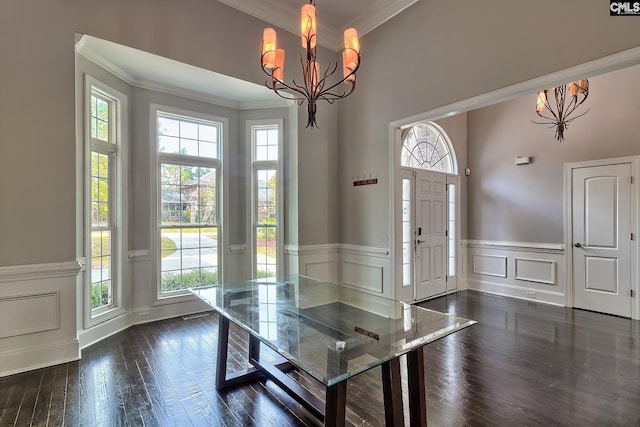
[420, 241]
[578, 245]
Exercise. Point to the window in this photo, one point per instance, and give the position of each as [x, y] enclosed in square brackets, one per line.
[189, 165]
[105, 195]
[407, 235]
[426, 146]
[451, 229]
[266, 148]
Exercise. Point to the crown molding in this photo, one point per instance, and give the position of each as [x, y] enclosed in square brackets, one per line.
[209, 98]
[101, 61]
[378, 14]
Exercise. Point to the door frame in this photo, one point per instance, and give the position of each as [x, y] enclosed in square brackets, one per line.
[634, 161]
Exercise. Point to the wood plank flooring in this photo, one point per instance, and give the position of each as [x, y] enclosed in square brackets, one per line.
[522, 364]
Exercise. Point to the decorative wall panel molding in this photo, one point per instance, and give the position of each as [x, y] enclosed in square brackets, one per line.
[490, 265]
[535, 270]
[43, 310]
[363, 276]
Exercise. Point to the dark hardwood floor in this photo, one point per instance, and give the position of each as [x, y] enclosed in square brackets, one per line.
[522, 364]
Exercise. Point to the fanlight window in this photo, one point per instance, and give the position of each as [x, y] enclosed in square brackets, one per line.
[426, 146]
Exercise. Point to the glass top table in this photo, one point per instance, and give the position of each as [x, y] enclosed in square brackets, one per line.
[330, 332]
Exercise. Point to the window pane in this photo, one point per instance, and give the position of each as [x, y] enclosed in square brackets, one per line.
[182, 135]
[266, 251]
[169, 127]
[189, 258]
[208, 149]
[426, 147]
[169, 144]
[101, 291]
[188, 130]
[189, 147]
[207, 133]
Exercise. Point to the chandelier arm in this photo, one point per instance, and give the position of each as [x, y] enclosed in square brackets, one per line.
[554, 118]
[547, 105]
[575, 104]
[552, 123]
[330, 96]
[567, 121]
[352, 73]
[283, 85]
[327, 73]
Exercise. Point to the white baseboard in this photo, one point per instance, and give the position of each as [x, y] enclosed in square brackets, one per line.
[520, 292]
[27, 359]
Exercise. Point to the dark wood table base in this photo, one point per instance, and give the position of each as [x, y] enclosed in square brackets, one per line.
[333, 411]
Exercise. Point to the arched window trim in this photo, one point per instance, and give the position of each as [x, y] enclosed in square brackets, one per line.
[441, 136]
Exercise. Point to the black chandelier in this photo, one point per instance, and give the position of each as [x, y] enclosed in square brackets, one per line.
[567, 99]
[315, 86]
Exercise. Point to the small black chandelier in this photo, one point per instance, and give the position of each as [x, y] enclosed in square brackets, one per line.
[567, 99]
[315, 86]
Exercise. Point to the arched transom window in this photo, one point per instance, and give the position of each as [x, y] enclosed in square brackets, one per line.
[426, 146]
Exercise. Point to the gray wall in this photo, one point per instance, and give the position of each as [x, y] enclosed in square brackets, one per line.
[438, 52]
[525, 203]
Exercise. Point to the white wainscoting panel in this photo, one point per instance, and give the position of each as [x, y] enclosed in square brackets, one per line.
[38, 325]
[366, 268]
[490, 265]
[365, 276]
[43, 310]
[518, 269]
[535, 270]
[316, 261]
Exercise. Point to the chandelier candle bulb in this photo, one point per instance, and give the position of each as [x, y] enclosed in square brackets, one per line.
[541, 101]
[309, 25]
[269, 47]
[351, 46]
[347, 67]
[278, 69]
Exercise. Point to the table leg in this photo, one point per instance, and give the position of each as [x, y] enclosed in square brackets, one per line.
[417, 394]
[223, 345]
[254, 349]
[392, 391]
[335, 405]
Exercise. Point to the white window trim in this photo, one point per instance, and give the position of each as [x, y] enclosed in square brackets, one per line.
[120, 208]
[449, 146]
[154, 216]
[279, 166]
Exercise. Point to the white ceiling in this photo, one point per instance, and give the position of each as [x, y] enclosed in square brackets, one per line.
[334, 16]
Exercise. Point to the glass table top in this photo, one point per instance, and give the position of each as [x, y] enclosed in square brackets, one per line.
[329, 331]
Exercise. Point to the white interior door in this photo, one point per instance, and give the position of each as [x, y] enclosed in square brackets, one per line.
[601, 209]
[430, 234]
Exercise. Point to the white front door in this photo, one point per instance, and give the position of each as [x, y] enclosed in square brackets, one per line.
[430, 234]
[601, 214]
